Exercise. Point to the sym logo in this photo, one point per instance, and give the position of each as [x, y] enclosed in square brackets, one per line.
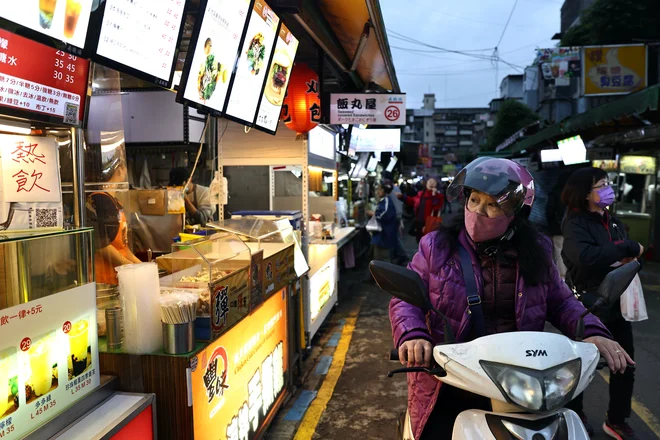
[536, 353]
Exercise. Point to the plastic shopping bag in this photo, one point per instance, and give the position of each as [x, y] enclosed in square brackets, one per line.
[633, 306]
[373, 225]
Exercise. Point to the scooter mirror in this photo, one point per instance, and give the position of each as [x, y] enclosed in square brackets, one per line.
[401, 283]
[617, 281]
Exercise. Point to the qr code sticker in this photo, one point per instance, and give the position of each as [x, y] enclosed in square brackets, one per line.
[71, 114]
[46, 218]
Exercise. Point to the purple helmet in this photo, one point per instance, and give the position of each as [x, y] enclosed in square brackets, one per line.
[508, 182]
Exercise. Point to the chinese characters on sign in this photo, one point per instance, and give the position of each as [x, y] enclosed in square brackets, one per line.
[154, 24]
[230, 301]
[368, 108]
[614, 69]
[30, 169]
[36, 354]
[238, 379]
[41, 80]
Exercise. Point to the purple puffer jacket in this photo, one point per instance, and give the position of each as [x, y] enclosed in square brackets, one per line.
[441, 271]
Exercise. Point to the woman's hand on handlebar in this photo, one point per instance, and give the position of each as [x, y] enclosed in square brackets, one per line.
[616, 357]
[416, 353]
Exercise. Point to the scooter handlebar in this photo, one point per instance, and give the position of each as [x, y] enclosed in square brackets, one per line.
[394, 354]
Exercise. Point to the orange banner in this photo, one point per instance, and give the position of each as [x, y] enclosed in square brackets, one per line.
[238, 378]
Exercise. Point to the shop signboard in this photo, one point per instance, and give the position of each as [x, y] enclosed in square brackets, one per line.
[277, 81]
[559, 64]
[213, 54]
[374, 140]
[48, 358]
[608, 165]
[322, 143]
[247, 84]
[50, 21]
[230, 301]
[368, 108]
[40, 82]
[614, 70]
[638, 165]
[238, 379]
[322, 287]
[140, 38]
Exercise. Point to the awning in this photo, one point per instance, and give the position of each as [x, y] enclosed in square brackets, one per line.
[340, 40]
[633, 104]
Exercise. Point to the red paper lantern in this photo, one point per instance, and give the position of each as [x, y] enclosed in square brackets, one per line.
[301, 111]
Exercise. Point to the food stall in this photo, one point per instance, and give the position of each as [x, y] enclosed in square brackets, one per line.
[635, 185]
[302, 177]
[50, 376]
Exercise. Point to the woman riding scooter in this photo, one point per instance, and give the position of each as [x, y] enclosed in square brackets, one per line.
[519, 288]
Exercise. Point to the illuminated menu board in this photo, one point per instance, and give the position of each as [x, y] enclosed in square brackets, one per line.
[141, 37]
[277, 81]
[252, 65]
[49, 84]
[63, 20]
[209, 65]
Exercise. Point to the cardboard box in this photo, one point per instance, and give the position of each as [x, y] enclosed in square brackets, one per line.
[152, 202]
[256, 279]
[279, 271]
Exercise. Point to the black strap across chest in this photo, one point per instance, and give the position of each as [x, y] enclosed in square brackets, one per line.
[478, 320]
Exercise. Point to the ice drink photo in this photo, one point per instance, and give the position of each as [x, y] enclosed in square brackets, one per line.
[71, 16]
[41, 367]
[46, 12]
[78, 344]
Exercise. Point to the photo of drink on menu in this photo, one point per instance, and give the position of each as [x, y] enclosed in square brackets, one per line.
[214, 54]
[42, 365]
[65, 20]
[79, 358]
[253, 63]
[277, 81]
[8, 382]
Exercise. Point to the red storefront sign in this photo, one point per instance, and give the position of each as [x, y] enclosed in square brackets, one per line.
[38, 79]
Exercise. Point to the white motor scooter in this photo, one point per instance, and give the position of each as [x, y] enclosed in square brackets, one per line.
[529, 376]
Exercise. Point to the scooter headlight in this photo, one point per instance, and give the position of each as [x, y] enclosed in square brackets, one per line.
[535, 390]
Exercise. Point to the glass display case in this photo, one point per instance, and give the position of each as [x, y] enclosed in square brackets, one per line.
[36, 264]
[48, 328]
[217, 266]
[277, 258]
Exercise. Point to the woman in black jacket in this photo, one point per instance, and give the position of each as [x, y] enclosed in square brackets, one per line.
[595, 243]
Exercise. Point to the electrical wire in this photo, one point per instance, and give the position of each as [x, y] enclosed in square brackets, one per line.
[466, 53]
[507, 24]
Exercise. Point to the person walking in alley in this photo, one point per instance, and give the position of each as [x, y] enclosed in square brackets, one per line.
[387, 239]
[595, 242]
[447, 205]
[555, 212]
[398, 254]
[426, 203]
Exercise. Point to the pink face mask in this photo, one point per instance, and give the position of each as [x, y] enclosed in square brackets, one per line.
[482, 228]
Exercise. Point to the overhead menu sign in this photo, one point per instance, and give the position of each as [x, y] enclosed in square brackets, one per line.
[63, 20]
[368, 108]
[253, 62]
[212, 54]
[277, 81]
[141, 37]
[41, 82]
[384, 140]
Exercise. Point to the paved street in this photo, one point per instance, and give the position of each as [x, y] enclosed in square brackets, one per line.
[346, 393]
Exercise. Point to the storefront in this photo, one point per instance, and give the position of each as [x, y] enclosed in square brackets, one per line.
[204, 341]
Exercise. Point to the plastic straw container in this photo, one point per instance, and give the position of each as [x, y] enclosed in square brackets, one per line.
[140, 290]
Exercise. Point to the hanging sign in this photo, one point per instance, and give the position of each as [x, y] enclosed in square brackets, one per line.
[614, 70]
[40, 80]
[30, 169]
[238, 379]
[368, 108]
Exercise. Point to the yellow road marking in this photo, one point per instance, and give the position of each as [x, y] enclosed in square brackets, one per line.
[641, 410]
[318, 405]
